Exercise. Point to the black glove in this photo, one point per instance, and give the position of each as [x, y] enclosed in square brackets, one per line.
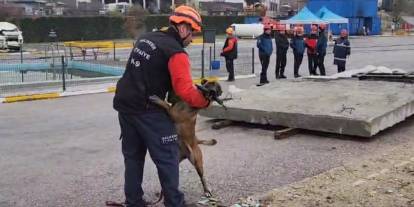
[211, 93]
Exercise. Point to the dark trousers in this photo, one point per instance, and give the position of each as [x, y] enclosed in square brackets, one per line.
[321, 64]
[264, 60]
[230, 69]
[312, 63]
[297, 63]
[341, 66]
[280, 64]
[156, 133]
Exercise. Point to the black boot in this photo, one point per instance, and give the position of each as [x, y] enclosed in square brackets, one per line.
[281, 75]
[277, 73]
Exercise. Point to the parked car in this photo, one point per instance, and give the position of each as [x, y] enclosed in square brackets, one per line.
[10, 36]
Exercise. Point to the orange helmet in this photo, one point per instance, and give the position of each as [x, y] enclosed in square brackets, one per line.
[186, 14]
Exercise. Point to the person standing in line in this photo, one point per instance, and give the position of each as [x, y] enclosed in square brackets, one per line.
[265, 46]
[321, 49]
[230, 52]
[282, 46]
[342, 50]
[311, 43]
[298, 46]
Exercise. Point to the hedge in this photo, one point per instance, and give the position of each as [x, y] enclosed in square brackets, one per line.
[72, 28]
[102, 27]
[220, 23]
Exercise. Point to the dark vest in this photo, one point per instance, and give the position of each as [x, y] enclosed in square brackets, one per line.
[232, 54]
[147, 72]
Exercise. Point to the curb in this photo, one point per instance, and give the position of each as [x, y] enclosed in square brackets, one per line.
[41, 96]
[34, 97]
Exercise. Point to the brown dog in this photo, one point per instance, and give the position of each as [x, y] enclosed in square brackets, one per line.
[184, 118]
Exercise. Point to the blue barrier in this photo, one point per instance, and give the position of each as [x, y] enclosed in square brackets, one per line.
[24, 66]
[92, 67]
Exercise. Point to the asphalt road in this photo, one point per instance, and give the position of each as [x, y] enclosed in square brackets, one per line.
[66, 152]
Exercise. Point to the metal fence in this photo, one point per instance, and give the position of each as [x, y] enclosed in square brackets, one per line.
[54, 67]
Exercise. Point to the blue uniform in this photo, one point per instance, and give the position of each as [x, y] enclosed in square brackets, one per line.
[265, 45]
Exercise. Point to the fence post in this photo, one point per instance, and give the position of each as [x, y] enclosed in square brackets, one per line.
[63, 73]
[209, 68]
[21, 53]
[202, 63]
[70, 51]
[22, 72]
[252, 60]
[114, 52]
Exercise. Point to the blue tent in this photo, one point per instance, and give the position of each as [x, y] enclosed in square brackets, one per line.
[304, 16]
[327, 15]
[336, 22]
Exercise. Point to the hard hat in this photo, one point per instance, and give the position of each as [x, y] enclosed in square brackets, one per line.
[186, 14]
[344, 33]
[322, 26]
[229, 30]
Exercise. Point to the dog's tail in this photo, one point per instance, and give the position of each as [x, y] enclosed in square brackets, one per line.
[157, 100]
[207, 142]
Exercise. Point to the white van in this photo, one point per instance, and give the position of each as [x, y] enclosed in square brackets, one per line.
[10, 36]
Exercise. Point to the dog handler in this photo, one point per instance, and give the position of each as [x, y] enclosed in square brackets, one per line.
[157, 64]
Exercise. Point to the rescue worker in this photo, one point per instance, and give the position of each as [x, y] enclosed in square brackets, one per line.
[298, 46]
[230, 52]
[311, 42]
[341, 50]
[321, 48]
[158, 64]
[282, 46]
[265, 46]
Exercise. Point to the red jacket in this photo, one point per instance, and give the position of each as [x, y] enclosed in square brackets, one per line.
[179, 67]
[311, 43]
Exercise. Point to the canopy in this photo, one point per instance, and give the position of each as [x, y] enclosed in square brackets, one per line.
[330, 17]
[305, 16]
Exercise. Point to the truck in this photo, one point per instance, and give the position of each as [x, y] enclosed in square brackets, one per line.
[11, 37]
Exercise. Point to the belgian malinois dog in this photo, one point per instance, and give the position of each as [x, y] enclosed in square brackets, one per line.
[184, 117]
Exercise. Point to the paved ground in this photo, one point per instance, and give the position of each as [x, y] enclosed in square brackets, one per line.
[66, 152]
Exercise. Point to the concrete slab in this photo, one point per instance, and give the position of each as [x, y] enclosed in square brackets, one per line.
[350, 107]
